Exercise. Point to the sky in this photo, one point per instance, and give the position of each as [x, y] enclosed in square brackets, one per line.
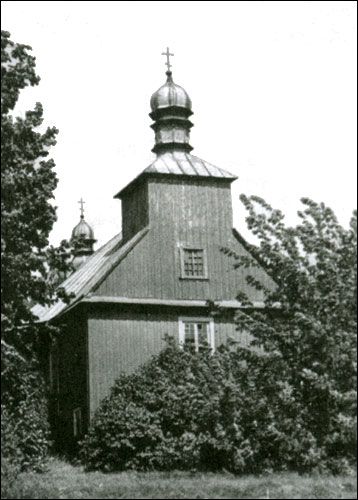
[273, 87]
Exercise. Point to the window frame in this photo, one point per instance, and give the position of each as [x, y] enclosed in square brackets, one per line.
[77, 422]
[182, 263]
[54, 375]
[198, 319]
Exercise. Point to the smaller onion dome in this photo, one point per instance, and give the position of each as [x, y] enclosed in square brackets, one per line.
[83, 230]
[82, 239]
[170, 94]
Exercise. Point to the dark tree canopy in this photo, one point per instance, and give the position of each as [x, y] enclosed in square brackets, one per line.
[28, 263]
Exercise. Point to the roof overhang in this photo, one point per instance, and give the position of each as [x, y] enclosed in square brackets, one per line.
[227, 304]
[145, 175]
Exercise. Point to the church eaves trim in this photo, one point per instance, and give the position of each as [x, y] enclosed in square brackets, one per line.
[227, 304]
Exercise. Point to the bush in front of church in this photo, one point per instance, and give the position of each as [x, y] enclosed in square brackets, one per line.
[177, 412]
[229, 410]
[24, 420]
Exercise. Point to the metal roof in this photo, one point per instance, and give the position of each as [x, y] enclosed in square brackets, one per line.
[181, 163]
[90, 274]
[170, 94]
[85, 280]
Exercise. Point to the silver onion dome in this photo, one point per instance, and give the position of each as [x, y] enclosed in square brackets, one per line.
[83, 230]
[170, 94]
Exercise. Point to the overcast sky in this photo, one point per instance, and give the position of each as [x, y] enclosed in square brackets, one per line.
[273, 86]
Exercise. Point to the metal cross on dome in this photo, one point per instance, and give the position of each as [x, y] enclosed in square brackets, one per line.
[81, 202]
[168, 54]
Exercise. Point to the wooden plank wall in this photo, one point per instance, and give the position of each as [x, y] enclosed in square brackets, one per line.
[184, 213]
[121, 339]
[72, 350]
[135, 211]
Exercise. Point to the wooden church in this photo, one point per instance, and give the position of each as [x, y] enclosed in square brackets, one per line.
[153, 278]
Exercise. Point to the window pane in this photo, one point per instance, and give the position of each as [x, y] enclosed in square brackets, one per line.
[196, 334]
[193, 262]
[190, 334]
[189, 328]
[77, 422]
[202, 334]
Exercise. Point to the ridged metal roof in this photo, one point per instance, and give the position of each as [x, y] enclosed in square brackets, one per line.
[182, 163]
[90, 274]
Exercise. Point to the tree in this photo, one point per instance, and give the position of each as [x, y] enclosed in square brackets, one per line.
[287, 404]
[28, 181]
[308, 330]
[28, 262]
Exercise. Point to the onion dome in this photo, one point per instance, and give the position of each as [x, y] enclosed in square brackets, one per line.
[83, 230]
[171, 108]
[170, 94]
[82, 239]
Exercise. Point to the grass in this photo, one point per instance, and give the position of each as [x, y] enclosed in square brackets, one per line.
[63, 480]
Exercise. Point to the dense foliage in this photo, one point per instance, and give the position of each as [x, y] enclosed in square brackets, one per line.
[287, 403]
[27, 261]
[203, 411]
[180, 411]
[312, 343]
[28, 181]
[24, 420]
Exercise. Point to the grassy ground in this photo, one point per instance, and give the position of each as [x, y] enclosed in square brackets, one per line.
[67, 481]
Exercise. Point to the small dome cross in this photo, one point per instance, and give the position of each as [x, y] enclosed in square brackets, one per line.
[81, 202]
[168, 54]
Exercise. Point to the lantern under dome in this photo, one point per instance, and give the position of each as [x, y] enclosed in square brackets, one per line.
[171, 108]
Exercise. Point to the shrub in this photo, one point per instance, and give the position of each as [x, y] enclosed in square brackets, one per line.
[203, 411]
[24, 422]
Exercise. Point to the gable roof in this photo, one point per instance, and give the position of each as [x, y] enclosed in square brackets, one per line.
[90, 274]
[180, 163]
[98, 266]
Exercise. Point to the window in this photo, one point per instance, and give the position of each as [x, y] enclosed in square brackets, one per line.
[196, 332]
[54, 378]
[77, 422]
[193, 263]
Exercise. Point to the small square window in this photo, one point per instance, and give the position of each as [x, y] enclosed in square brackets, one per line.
[193, 263]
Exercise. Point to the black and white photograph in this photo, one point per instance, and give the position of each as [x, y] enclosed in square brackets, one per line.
[178, 249]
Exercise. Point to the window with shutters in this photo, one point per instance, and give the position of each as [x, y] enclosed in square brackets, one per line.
[193, 263]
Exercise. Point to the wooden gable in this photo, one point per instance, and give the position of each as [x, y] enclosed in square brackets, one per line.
[181, 212]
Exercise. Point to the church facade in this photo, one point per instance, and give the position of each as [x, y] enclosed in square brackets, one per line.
[153, 279]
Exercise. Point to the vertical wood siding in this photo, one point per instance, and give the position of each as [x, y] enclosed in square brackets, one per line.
[72, 375]
[120, 340]
[183, 213]
[134, 211]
